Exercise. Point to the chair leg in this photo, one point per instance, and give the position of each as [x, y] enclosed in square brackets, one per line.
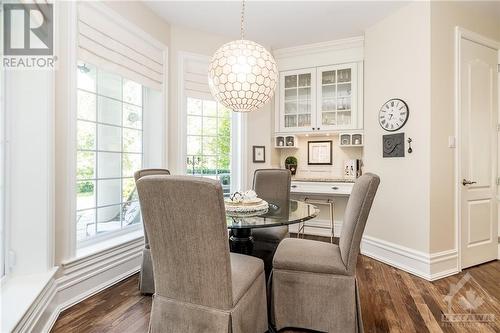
[332, 222]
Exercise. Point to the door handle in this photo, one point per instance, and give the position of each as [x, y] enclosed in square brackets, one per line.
[467, 182]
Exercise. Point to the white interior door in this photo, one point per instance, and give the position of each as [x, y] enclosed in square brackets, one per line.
[479, 119]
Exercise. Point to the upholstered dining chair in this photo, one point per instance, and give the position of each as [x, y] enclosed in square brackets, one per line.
[314, 283]
[146, 281]
[272, 185]
[199, 285]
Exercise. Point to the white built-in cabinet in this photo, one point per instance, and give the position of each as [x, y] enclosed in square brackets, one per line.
[320, 99]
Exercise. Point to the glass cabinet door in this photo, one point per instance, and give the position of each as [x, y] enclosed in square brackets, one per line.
[297, 100]
[336, 86]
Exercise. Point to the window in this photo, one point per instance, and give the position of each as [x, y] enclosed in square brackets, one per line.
[208, 148]
[109, 151]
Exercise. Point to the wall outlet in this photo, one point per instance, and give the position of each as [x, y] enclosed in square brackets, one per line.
[452, 142]
[11, 259]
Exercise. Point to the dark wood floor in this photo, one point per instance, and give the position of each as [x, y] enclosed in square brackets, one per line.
[391, 300]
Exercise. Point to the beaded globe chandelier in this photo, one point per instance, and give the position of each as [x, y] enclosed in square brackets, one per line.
[242, 74]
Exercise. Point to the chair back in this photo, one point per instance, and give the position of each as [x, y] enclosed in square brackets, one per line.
[148, 172]
[356, 214]
[186, 223]
[273, 185]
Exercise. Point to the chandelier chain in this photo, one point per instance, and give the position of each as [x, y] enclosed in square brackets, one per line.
[242, 32]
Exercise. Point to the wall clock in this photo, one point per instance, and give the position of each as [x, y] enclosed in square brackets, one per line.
[393, 115]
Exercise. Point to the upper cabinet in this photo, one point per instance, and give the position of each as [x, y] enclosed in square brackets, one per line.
[320, 99]
[337, 97]
[298, 100]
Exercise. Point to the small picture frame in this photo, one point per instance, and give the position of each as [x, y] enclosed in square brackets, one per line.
[319, 152]
[259, 154]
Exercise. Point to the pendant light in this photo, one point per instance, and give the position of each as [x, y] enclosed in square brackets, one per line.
[242, 74]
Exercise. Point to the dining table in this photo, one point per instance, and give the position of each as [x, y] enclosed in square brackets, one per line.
[277, 214]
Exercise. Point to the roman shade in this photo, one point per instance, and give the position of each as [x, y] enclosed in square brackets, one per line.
[105, 40]
[195, 77]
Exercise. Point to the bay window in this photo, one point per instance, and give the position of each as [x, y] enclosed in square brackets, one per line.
[211, 135]
[109, 151]
[208, 152]
[120, 122]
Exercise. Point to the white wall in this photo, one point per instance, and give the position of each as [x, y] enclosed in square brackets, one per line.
[397, 65]
[30, 158]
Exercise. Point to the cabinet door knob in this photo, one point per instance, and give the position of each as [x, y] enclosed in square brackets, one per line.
[293, 186]
[335, 188]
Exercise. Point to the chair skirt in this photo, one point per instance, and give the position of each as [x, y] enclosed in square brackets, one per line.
[249, 315]
[315, 301]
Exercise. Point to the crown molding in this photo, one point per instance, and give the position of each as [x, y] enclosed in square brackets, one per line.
[334, 45]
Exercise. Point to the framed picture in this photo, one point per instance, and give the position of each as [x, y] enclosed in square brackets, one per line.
[319, 152]
[259, 154]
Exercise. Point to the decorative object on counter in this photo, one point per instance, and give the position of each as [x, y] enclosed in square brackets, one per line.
[291, 164]
[242, 74]
[259, 154]
[393, 115]
[290, 141]
[393, 145]
[352, 169]
[280, 141]
[319, 152]
[244, 204]
[410, 150]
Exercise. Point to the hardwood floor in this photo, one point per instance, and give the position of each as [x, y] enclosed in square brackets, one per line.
[391, 300]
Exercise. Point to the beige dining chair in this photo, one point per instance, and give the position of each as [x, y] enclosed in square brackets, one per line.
[272, 185]
[199, 285]
[146, 281]
[314, 283]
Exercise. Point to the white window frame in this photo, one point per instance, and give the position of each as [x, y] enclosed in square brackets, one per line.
[122, 230]
[238, 127]
[67, 207]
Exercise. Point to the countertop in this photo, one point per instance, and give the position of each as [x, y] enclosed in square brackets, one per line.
[323, 180]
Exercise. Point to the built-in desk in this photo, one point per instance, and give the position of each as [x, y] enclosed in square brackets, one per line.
[337, 190]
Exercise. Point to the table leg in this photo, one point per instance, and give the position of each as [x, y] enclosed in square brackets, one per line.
[241, 241]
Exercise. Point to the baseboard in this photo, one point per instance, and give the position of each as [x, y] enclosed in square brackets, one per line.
[79, 280]
[430, 267]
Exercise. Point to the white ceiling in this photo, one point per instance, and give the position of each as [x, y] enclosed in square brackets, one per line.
[278, 23]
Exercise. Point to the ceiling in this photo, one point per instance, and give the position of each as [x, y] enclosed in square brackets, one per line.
[278, 24]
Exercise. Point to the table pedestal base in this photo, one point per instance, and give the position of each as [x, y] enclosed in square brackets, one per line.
[241, 241]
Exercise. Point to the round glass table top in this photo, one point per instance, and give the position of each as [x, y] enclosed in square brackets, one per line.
[277, 214]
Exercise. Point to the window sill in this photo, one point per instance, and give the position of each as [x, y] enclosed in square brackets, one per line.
[18, 295]
[107, 244]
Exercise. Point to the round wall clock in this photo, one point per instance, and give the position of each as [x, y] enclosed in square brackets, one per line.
[393, 114]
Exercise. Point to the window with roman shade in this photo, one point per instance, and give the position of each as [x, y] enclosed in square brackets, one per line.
[120, 110]
[211, 131]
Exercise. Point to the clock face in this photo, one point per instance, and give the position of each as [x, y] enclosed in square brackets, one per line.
[393, 115]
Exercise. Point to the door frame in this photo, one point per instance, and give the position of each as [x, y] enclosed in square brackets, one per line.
[461, 33]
